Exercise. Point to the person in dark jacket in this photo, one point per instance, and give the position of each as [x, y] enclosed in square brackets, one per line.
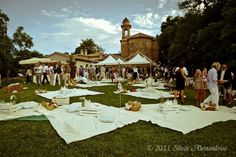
[57, 73]
[225, 84]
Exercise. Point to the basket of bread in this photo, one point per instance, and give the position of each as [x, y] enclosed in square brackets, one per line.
[49, 106]
[133, 105]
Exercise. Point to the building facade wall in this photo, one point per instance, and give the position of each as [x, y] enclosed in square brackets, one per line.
[59, 58]
[146, 46]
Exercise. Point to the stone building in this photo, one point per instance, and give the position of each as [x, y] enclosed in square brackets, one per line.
[142, 43]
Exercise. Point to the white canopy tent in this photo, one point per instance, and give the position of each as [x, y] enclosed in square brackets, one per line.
[108, 61]
[120, 61]
[35, 60]
[139, 60]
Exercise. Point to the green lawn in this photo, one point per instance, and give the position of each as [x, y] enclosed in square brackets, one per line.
[38, 138]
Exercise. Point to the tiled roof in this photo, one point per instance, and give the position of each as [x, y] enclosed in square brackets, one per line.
[138, 35]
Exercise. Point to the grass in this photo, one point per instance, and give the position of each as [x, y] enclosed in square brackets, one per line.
[38, 138]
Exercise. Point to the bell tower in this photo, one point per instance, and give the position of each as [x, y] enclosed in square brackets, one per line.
[126, 26]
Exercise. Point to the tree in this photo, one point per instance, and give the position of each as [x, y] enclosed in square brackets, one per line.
[13, 49]
[5, 47]
[3, 24]
[205, 33]
[6, 50]
[87, 44]
[22, 39]
[166, 38]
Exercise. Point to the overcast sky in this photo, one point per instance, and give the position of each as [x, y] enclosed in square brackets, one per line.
[60, 25]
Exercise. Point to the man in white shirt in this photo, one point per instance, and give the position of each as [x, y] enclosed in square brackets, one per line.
[38, 69]
[212, 101]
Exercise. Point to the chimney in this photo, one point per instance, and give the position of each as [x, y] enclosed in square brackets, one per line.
[81, 51]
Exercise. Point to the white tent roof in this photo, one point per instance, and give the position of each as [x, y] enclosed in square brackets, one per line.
[108, 61]
[120, 61]
[138, 59]
[35, 60]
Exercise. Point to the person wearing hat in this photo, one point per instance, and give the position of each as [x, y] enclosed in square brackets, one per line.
[212, 101]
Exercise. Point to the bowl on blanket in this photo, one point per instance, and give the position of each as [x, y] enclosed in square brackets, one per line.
[133, 106]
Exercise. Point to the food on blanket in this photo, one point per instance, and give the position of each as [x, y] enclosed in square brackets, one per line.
[208, 107]
[133, 105]
[49, 106]
[133, 90]
[39, 91]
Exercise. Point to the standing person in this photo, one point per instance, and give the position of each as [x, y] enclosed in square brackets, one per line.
[72, 73]
[198, 85]
[57, 74]
[51, 74]
[225, 84]
[135, 73]
[38, 69]
[103, 72]
[45, 73]
[233, 84]
[205, 84]
[90, 72]
[29, 74]
[86, 75]
[123, 72]
[212, 101]
[67, 70]
[180, 83]
[113, 73]
[81, 71]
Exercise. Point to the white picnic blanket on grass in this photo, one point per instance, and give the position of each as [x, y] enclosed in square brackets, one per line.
[181, 120]
[161, 86]
[22, 112]
[150, 93]
[94, 84]
[70, 93]
[74, 127]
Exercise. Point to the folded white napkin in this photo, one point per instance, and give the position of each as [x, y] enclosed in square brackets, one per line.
[73, 108]
[27, 105]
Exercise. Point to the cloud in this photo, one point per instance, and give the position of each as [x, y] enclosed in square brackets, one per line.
[148, 20]
[161, 3]
[172, 13]
[101, 24]
[53, 14]
[145, 31]
[70, 31]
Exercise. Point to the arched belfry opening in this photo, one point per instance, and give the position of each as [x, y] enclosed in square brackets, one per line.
[126, 26]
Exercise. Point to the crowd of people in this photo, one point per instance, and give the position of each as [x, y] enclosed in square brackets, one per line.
[219, 79]
[69, 74]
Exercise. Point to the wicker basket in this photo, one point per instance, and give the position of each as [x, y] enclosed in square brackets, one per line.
[133, 106]
[49, 106]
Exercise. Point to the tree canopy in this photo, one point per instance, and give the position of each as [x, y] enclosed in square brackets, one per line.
[206, 33]
[13, 49]
[88, 45]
